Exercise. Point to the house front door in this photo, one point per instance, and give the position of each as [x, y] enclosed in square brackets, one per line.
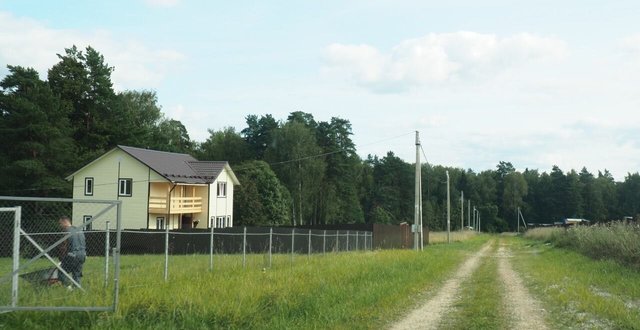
[186, 222]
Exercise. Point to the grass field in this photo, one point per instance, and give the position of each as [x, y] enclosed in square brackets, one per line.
[438, 237]
[617, 241]
[362, 290]
[579, 292]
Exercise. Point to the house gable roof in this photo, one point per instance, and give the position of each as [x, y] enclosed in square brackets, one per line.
[175, 167]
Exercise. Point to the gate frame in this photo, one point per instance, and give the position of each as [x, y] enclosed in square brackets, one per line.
[109, 204]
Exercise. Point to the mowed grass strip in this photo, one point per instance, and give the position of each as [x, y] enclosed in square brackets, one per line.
[579, 292]
[480, 303]
[356, 290]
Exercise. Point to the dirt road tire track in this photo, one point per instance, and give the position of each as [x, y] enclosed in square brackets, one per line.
[524, 311]
[428, 315]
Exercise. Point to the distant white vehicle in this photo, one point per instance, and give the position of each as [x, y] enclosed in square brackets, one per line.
[574, 221]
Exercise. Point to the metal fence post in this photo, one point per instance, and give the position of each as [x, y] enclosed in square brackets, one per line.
[357, 246]
[211, 248]
[244, 248]
[293, 236]
[106, 255]
[337, 241]
[17, 215]
[270, 244]
[365, 240]
[347, 241]
[324, 242]
[309, 249]
[166, 251]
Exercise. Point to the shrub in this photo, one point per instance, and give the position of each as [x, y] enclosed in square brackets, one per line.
[619, 241]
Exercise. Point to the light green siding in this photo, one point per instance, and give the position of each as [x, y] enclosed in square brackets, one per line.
[105, 172]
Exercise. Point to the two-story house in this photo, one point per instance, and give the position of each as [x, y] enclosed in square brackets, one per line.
[157, 189]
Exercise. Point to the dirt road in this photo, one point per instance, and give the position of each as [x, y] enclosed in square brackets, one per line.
[520, 309]
[428, 315]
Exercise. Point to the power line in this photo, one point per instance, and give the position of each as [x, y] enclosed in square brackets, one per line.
[322, 154]
[244, 168]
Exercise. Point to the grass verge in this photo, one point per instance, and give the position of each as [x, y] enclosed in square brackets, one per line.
[340, 291]
[579, 292]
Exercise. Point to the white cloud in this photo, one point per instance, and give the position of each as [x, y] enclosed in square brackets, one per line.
[440, 58]
[30, 43]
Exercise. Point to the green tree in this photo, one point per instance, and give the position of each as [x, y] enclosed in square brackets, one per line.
[225, 145]
[393, 180]
[259, 134]
[594, 208]
[340, 196]
[515, 188]
[294, 155]
[260, 199]
[138, 119]
[37, 147]
[630, 195]
[171, 135]
[83, 82]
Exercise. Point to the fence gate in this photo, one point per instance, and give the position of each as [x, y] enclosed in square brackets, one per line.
[31, 242]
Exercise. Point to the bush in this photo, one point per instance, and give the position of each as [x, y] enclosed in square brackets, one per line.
[619, 241]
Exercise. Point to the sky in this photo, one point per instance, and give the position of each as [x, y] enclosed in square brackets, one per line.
[535, 83]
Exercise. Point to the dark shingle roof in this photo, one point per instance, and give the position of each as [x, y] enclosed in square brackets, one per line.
[177, 167]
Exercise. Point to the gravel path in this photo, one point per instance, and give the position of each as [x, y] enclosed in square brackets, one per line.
[428, 315]
[525, 311]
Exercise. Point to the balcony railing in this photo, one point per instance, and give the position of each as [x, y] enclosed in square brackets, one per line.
[175, 205]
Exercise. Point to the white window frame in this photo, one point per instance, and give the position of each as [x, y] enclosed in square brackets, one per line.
[85, 219]
[220, 222]
[122, 189]
[88, 186]
[160, 223]
[222, 189]
[228, 224]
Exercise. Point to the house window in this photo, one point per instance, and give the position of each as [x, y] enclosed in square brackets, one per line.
[228, 224]
[85, 219]
[88, 186]
[160, 223]
[212, 222]
[222, 189]
[124, 187]
[220, 222]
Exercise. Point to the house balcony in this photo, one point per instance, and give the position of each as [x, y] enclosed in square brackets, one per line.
[175, 205]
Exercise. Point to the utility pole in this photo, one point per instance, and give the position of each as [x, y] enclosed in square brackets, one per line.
[417, 221]
[518, 218]
[448, 211]
[462, 211]
[469, 213]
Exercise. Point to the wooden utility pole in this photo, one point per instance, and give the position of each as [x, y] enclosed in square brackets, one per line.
[448, 211]
[417, 218]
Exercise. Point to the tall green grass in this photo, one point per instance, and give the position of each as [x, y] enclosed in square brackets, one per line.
[437, 237]
[619, 241]
[354, 290]
[579, 293]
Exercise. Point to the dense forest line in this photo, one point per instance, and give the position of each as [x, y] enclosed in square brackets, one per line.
[294, 170]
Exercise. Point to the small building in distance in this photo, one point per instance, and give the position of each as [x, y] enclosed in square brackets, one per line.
[157, 189]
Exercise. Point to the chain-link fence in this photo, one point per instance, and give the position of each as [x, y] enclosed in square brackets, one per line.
[47, 265]
[33, 244]
[158, 253]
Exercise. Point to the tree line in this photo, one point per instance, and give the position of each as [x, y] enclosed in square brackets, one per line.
[294, 171]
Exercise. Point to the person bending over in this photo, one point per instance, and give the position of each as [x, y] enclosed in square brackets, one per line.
[72, 252]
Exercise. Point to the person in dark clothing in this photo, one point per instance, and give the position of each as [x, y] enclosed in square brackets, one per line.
[72, 252]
